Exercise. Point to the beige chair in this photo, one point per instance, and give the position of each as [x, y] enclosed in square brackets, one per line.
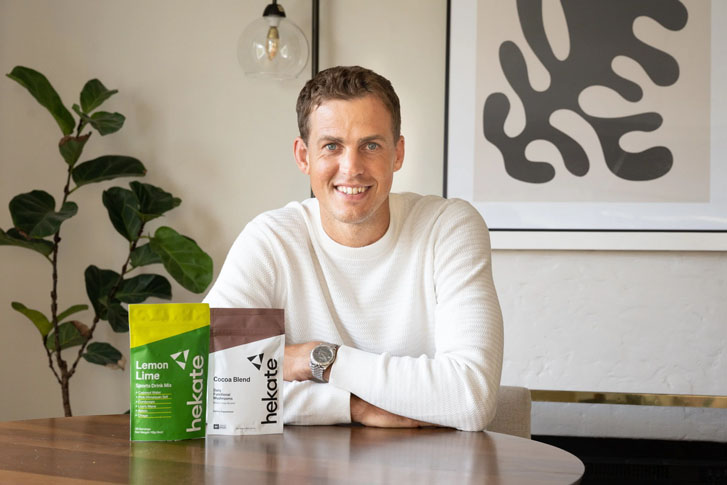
[513, 412]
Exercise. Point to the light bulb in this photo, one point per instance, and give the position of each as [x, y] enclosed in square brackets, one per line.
[272, 46]
[273, 42]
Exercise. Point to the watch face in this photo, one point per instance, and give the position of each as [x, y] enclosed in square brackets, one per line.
[322, 354]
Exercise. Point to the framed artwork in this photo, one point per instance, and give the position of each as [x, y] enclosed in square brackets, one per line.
[590, 124]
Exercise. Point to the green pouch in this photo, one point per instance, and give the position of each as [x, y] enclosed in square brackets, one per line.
[169, 354]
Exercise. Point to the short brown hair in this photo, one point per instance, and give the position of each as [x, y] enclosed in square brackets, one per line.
[346, 82]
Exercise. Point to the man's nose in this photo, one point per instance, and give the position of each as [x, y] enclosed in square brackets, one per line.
[351, 163]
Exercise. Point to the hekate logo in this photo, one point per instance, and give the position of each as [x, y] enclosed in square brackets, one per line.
[197, 376]
[256, 360]
[183, 361]
[271, 399]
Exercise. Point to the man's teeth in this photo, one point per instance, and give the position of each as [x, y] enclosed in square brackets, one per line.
[351, 190]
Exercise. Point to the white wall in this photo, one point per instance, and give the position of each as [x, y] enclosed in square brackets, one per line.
[587, 320]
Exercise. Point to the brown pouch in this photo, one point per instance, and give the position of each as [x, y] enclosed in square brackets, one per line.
[245, 381]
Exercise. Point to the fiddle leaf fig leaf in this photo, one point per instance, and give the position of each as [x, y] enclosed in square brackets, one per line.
[71, 147]
[70, 311]
[40, 321]
[106, 123]
[118, 317]
[93, 94]
[104, 354]
[183, 259]
[99, 283]
[144, 255]
[107, 167]
[123, 208]
[34, 214]
[153, 201]
[14, 238]
[141, 287]
[42, 90]
[68, 335]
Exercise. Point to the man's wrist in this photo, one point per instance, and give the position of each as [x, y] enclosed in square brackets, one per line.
[296, 365]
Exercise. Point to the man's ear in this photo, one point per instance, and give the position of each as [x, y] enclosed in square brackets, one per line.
[399, 154]
[300, 150]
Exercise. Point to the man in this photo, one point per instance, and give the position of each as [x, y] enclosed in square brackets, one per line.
[392, 318]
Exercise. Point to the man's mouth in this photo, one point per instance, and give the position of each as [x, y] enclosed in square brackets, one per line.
[351, 189]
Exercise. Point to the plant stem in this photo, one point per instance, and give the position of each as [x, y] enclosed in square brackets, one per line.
[50, 360]
[62, 365]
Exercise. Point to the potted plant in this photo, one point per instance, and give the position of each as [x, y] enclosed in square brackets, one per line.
[37, 222]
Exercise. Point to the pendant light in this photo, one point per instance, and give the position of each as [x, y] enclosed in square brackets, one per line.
[272, 46]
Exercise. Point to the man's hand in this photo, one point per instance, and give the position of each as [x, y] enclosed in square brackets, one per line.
[370, 415]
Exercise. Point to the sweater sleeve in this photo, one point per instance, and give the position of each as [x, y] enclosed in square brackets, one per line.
[457, 387]
[248, 280]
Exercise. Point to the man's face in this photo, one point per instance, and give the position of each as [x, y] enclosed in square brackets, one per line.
[351, 157]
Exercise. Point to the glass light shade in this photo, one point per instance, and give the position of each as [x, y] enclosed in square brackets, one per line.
[272, 47]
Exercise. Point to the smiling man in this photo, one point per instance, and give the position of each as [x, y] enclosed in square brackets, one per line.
[391, 314]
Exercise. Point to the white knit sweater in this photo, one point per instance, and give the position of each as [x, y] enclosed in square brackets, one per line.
[416, 312]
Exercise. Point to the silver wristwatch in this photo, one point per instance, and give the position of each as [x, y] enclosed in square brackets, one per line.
[321, 358]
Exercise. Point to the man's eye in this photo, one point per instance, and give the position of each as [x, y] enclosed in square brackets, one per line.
[331, 146]
[372, 146]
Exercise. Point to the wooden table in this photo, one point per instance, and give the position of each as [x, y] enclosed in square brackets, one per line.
[96, 449]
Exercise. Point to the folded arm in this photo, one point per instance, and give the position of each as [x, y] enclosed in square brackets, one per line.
[296, 370]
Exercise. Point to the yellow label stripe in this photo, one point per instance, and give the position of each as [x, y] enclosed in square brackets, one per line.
[153, 322]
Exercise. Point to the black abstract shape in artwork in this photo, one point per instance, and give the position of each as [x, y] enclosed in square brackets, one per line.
[598, 31]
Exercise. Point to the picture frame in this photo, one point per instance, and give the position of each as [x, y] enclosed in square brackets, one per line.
[682, 208]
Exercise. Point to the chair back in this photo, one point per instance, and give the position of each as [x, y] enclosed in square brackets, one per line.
[513, 412]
